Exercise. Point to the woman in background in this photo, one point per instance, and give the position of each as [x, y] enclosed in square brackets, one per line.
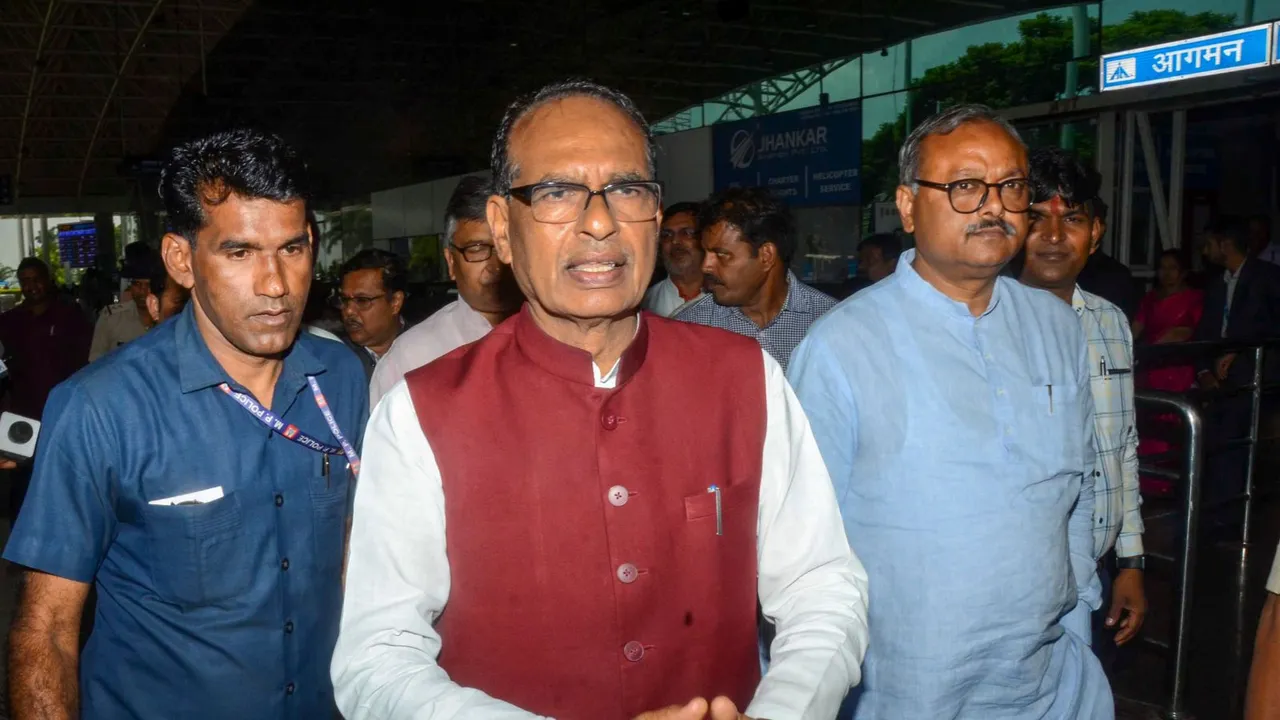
[1168, 314]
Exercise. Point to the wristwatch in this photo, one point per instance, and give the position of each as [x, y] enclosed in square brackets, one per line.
[1137, 562]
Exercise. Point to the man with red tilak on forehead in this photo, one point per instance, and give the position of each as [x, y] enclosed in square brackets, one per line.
[546, 527]
[1065, 231]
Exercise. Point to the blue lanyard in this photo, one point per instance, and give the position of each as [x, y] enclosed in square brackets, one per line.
[291, 432]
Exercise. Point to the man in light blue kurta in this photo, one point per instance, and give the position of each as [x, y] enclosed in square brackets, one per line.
[952, 408]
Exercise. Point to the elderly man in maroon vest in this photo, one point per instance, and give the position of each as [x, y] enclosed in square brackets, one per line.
[546, 527]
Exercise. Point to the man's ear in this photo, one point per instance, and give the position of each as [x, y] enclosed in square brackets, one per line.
[906, 201]
[397, 301]
[496, 213]
[1095, 235]
[153, 307]
[449, 261]
[768, 255]
[179, 259]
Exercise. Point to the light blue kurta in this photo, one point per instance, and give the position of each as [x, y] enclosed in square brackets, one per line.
[958, 447]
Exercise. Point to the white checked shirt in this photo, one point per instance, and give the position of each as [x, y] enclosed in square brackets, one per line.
[1117, 518]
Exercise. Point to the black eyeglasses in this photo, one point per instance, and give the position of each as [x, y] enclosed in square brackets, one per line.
[970, 194]
[557, 202]
[362, 302]
[687, 233]
[475, 252]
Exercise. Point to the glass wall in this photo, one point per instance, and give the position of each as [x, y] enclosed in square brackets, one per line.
[1006, 62]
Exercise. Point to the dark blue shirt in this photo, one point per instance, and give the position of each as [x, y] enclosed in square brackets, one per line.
[227, 609]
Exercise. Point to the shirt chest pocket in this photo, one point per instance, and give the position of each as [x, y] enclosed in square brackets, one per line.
[201, 554]
[1110, 396]
[329, 503]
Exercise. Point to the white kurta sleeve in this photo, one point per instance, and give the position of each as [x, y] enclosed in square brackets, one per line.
[384, 665]
[812, 586]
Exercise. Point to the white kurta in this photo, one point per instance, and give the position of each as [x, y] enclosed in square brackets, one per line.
[448, 329]
[811, 585]
[664, 299]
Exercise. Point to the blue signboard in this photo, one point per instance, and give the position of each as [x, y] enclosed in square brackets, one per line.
[1275, 39]
[807, 157]
[1196, 57]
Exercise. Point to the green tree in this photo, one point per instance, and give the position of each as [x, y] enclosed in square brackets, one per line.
[50, 238]
[1028, 70]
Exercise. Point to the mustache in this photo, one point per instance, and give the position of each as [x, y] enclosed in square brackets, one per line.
[998, 224]
[708, 280]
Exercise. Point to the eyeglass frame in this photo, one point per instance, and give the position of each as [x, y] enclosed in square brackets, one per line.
[689, 232]
[462, 250]
[362, 302]
[986, 193]
[524, 193]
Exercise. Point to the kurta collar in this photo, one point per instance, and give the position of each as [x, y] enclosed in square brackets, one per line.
[570, 363]
[920, 289]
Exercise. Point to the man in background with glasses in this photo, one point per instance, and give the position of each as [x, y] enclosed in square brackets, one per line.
[682, 259]
[654, 477]
[487, 293]
[952, 408]
[371, 297]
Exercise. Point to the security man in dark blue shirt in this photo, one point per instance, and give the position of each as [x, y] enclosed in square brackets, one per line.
[200, 477]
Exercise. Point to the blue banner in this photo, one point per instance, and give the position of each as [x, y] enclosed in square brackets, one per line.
[1183, 59]
[807, 157]
[1275, 40]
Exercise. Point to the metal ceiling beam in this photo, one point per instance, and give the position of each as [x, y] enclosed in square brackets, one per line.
[106, 104]
[31, 91]
[797, 31]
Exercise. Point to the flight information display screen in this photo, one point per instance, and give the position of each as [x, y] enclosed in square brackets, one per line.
[78, 244]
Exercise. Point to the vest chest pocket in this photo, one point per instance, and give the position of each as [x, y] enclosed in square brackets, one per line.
[200, 554]
[738, 504]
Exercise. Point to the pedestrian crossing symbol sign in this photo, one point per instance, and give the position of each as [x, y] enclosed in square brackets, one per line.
[1122, 70]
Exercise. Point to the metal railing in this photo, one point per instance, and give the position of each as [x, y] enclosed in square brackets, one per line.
[1190, 476]
[1191, 473]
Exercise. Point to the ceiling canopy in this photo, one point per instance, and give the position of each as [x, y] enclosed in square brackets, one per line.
[378, 93]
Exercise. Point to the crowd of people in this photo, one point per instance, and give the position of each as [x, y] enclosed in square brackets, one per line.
[748, 500]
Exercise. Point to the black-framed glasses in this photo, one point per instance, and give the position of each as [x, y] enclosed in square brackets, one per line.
[558, 202]
[970, 194]
[687, 233]
[474, 252]
[362, 302]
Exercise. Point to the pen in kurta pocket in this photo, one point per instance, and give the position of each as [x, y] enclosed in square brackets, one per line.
[1050, 387]
[719, 516]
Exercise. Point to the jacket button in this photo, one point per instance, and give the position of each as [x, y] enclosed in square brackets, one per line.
[617, 496]
[633, 651]
[288, 627]
[284, 564]
[610, 422]
[279, 500]
[627, 573]
[288, 689]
